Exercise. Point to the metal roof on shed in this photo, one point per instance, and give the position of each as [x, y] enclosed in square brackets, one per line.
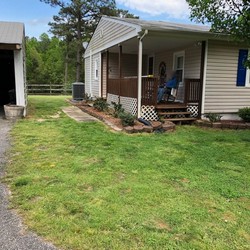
[11, 32]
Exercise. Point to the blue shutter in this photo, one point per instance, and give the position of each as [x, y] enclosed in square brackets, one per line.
[241, 73]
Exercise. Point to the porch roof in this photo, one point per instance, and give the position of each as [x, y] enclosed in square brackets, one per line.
[164, 26]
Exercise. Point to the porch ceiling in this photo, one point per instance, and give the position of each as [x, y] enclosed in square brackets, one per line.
[154, 43]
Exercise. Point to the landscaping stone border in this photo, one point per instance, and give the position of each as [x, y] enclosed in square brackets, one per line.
[224, 124]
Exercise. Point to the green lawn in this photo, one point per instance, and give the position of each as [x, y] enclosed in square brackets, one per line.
[83, 186]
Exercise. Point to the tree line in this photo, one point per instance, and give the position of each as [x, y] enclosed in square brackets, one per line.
[59, 59]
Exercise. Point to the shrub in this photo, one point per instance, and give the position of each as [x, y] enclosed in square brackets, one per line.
[244, 114]
[87, 97]
[117, 109]
[212, 117]
[127, 119]
[100, 104]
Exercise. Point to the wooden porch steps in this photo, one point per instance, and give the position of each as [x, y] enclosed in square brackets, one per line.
[174, 112]
[180, 119]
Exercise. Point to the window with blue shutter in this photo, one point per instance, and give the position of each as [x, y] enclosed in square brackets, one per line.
[241, 73]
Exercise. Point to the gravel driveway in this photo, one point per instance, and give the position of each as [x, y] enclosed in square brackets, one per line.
[13, 235]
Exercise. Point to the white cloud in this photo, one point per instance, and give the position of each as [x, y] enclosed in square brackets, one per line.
[171, 8]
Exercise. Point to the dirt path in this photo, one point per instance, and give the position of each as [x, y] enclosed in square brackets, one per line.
[13, 235]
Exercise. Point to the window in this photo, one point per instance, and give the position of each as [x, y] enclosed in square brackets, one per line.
[179, 64]
[243, 74]
[151, 65]
[96, 70]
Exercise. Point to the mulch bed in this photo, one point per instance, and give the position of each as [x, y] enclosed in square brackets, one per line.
[116, 124]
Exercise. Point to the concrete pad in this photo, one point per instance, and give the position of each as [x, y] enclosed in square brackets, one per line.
[78, 115]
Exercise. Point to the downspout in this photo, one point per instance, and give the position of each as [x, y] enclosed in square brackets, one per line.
[140, 73]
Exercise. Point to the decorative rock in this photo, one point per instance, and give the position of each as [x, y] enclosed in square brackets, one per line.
[199, 122]
[138, 128]
[148, 129]
[156, 125]
[168, 127]
[225, 125]
[129, 129]
[216, 125]
[242, 126]
[247, 125]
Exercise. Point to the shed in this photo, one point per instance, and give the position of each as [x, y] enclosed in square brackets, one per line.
[12, 64]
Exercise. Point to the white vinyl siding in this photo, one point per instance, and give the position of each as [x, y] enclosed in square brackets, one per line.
[129, 65]
[192, 62]
[109, 33]
[167, 58]
[221, 93]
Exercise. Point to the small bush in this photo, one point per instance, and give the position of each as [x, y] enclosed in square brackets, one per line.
[100, 104]
[212, 117]
[117, 109]
[244, 114]
[127, 119]
[87, 97]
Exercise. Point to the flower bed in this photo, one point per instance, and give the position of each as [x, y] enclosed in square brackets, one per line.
[116, 124]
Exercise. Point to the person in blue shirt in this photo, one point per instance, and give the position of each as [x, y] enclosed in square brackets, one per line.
[172, 83]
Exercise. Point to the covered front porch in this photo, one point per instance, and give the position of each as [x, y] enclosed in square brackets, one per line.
[184, 105]
[133, 70]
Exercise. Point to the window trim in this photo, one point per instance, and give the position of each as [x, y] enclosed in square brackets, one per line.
[176, 55]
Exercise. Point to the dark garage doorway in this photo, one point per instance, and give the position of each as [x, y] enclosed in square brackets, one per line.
[7, 77]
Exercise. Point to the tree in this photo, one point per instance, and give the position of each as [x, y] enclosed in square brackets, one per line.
[44, 60]
[226, 16]
[75, 20]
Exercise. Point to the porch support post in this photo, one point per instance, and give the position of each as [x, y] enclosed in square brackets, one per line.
[140, 73]
[107, 73]
[203, 52]
[120, 70]
[139, 79]
[101, 75]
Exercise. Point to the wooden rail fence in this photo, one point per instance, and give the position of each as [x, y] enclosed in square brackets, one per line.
[48, 89]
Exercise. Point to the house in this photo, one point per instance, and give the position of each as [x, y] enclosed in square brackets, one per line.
[12, 64]
[126, 59]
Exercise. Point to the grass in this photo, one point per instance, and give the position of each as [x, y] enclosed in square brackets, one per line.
[83, 186]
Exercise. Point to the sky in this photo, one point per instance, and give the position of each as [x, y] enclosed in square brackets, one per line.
[36, 15]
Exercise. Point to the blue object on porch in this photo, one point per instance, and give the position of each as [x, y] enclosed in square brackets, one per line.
[172, 83]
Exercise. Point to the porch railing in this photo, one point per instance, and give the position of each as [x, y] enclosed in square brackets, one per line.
[123, 87]
[192, 91]
[149, 90]
[127, 87]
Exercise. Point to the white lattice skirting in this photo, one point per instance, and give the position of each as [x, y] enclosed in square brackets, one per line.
[128, 103]
[148, 113]
[194, 109]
